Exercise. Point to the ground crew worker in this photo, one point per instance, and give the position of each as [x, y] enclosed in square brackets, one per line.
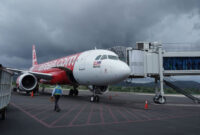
[57, 92]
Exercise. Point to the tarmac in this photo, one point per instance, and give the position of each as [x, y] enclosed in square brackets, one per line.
[116, 114]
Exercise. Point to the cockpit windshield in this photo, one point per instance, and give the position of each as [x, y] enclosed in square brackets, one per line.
[113, 57]
[104, 57]
[98, 57]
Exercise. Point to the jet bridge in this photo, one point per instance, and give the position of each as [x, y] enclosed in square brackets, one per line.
[150, 60]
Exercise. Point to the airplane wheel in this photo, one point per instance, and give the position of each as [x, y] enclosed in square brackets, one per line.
[27, 92]
[92, 99]
[97, 98]
[3, 115]
[76, 92]
[162, 100]
[155, 99]
[159, 99]
[15, 89]
[71, 92]
[36, 90]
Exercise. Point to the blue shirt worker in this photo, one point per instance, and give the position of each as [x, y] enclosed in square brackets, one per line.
[57, 92]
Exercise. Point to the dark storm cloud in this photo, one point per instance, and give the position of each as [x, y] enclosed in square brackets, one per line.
[63, 27]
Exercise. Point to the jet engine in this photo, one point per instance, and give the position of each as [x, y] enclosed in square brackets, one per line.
[98, 89]
[27, 82]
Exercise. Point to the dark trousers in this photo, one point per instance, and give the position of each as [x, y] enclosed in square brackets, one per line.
[57, 97]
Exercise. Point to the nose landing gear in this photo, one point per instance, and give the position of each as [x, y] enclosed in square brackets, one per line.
[94, 97]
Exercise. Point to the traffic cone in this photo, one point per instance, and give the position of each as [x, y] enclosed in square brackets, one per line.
[32, 94]
[146, 105]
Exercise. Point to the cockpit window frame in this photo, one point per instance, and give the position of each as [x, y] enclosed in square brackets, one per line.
[103, 57]
[113, 57]
[98, 57]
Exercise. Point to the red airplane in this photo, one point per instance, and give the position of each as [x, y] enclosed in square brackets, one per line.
[94, 68]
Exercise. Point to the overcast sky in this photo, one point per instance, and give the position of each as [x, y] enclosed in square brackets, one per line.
[62, 27]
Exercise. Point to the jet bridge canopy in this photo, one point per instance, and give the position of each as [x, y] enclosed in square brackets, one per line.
[144, 61]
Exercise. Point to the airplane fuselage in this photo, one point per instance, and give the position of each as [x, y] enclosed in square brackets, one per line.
[86, 69]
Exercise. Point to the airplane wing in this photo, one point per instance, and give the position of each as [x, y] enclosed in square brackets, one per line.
[45, 76]
[69, 74]
[67, 70]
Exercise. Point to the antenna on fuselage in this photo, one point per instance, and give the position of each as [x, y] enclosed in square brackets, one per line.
[95, 48]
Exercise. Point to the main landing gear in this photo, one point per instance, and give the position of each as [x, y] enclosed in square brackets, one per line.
[73, 92]
[94, 97]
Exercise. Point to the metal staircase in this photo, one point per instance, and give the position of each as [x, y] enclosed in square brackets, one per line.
[182, 91]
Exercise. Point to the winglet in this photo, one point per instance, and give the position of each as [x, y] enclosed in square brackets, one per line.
[34, 57]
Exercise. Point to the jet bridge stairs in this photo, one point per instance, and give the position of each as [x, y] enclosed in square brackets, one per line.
[182, 91]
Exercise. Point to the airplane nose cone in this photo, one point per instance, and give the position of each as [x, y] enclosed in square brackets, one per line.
[124, 71]
[121, 71]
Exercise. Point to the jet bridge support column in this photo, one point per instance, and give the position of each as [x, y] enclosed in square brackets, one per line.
[161, 70]
[156, 86]
[159, 98]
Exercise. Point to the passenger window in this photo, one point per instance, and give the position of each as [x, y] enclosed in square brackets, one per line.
[104, 57]
[98, 57]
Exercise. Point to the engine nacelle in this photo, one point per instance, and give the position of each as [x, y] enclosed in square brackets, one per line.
[27, 82]
[98, 89]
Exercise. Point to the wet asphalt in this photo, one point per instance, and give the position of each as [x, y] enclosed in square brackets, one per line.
[116, 113]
